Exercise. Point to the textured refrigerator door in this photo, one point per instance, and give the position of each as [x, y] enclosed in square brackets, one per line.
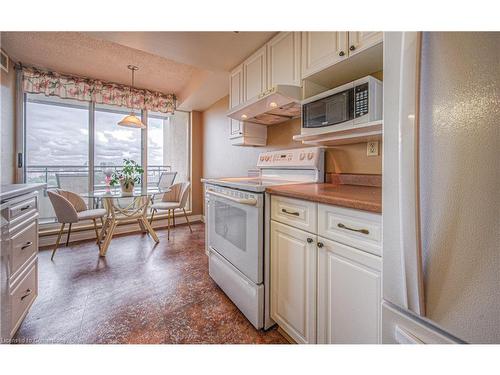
[460, 183]
[441, 178]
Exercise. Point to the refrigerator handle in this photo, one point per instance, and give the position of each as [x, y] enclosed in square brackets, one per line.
[409, 215]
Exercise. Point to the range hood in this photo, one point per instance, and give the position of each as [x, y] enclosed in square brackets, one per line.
[278, 104]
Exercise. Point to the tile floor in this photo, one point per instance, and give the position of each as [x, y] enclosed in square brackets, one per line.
[139, 294]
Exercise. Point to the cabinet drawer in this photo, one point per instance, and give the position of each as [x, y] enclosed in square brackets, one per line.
[359, 229]
[297, 213]
[24, 245]
[23, 207]
[22, 295]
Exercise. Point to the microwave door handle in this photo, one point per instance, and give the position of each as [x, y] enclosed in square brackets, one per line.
[248, 201]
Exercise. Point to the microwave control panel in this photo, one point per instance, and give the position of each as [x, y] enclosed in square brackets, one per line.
[361, 100]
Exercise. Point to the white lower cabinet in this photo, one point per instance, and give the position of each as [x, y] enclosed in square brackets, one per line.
[322, 290]
[349, 299]
[293, 281]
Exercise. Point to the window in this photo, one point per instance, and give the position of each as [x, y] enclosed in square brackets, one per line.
[169, 146]
[57, 145]
[113, 143]
[59, 137]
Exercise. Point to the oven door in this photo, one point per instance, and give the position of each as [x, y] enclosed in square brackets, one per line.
[235, 229]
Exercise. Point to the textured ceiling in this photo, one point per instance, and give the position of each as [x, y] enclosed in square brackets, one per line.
[79, 54]
[207, 50]
[192, 65]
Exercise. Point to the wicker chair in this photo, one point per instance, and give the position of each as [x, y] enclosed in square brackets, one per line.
[71, 208]
[171, 200]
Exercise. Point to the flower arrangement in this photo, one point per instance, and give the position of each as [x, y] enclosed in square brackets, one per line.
[128, 176]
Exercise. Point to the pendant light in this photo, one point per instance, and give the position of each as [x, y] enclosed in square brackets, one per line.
[131, 120]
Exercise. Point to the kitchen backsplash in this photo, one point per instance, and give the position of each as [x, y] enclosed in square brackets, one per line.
[220, 158]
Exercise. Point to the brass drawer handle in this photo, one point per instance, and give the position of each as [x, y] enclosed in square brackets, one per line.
[294, 213]
[26, 294]
[28, 244]
[364, 231]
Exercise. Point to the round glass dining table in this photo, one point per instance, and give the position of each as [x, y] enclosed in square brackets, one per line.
[124, 207]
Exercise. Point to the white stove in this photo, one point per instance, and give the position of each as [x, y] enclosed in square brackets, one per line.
[280, 168]
[237, 209]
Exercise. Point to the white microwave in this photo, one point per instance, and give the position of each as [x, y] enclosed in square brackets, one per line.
[343, 107]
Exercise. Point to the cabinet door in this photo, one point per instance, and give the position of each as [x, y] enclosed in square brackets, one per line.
[236, 86]
[361, 40]
[322, 49]
[349, 298]
[235, 98]
[293, 281]
[254, 73]
[283, 53]
[235, 128]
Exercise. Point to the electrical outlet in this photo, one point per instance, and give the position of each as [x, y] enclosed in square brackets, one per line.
[372, 148]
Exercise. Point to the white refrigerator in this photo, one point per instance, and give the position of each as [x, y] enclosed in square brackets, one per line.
[441, 188]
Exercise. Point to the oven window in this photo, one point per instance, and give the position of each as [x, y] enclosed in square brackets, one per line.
[231, 223]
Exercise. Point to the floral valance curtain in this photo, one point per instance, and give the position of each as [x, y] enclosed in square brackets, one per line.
[36, 81]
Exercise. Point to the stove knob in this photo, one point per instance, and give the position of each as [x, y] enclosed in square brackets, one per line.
[302, 156]
[268, 158]
[310, 156]
[262, 158]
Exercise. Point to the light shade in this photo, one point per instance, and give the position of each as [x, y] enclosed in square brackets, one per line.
[132, 121]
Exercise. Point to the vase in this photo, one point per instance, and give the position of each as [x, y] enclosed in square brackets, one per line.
[127, 188]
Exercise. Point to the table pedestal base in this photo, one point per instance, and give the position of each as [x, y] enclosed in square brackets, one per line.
[116, 214]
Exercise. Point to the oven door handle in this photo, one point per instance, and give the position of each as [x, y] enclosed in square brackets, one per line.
[248, 201]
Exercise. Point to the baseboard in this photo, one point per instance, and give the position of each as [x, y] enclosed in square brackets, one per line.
[50, 240]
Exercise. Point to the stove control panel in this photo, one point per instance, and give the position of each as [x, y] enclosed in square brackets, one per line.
[298, 157]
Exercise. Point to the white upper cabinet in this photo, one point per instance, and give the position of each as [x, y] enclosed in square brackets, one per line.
[322, 49]
[236, 86]
[361, 40]
[349, 295]
[293, 281]
[235, 98]
[255, 74]
[283, 64]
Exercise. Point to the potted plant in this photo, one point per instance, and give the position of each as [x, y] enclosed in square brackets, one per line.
[128, 176]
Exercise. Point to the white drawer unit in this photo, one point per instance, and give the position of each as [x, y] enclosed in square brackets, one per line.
[325, 272]
[360, 229]
[295, 212]
[24, 246]
[22, 295]
[19, 254]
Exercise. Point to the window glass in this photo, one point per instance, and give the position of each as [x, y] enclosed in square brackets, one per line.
[57, 146]
[168, 146]
[112, 142]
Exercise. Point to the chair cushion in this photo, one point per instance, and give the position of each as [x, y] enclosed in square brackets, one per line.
[165, 205]
[91, 214]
